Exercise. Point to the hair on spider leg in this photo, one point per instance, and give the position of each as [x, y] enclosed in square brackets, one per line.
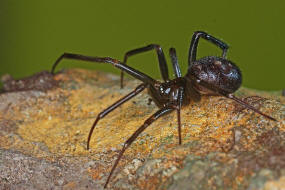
[209, 75]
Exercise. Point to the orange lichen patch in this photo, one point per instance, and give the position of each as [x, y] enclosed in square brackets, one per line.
[275, 184]
[70, 185]
[4, 141]
[60, 139]
[149, 183]
[96, 173]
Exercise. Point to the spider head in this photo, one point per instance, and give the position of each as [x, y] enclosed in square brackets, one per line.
[214, 75]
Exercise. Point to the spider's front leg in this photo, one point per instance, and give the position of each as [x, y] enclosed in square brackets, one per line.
[178, 108]
[102, 114]
[174, 60]
[160, 55]
[149, 121]
[116, 63]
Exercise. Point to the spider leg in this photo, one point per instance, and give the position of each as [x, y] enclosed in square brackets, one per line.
[194, 45]
[179, 104]
[116, 63]
[245, 104]
[102, 114]
[150, 120]
[177, 72]
[160, 55]
[176, 67]
[231, 96]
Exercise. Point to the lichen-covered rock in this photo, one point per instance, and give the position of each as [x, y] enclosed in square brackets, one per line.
[43, 135]
[42, 81]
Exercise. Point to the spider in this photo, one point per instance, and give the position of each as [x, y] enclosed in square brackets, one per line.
[209, 75]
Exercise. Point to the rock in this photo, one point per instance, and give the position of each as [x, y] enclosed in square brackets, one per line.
[41, 81]
[43, 136]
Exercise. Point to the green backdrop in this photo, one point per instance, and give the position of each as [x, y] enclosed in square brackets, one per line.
[35, 33]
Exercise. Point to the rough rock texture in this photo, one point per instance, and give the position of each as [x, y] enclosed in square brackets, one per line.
[42, 81]
[43, 134]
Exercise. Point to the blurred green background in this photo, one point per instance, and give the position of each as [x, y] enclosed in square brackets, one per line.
[35, 33]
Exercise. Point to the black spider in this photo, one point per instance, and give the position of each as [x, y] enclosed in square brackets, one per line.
[207, 76]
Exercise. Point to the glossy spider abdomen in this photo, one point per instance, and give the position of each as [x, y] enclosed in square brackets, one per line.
[215, 74]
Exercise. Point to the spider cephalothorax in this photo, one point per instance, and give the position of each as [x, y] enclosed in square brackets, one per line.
[207, 76]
